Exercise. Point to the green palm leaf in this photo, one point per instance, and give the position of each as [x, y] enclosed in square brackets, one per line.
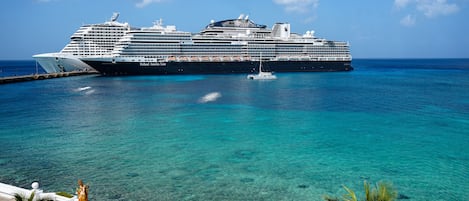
[350, 196]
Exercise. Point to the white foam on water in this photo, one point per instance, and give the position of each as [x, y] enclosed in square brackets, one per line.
[90, 92]
[83, 88]
[210, 97]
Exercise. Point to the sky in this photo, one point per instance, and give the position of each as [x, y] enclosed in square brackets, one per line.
[374, 28]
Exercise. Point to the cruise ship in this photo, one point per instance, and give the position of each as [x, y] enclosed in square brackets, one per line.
[88, 41]
[227, 46]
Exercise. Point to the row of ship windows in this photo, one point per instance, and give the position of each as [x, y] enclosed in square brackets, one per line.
[197, 48]
[110, 48]
[230, 55]
[100, 44]
[109, 28]
[117, 34]
[173, 35]
[161, 45]
[211, 54]
[78, 51]
[86, 50]
[121, 31]
[169, 37]
[266, 53]
[232, 48]
[164, 44]
[173, 42]
[178, 42]
[88, 38]
[107, 44]
[94, 40]
[163, 39]
[103, 36]
[88, 47]
[228, 52]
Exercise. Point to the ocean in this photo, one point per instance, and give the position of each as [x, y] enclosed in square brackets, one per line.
[300, 137]
[15, 68]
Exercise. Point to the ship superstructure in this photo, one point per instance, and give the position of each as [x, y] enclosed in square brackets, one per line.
[88, 41]
[228, 46]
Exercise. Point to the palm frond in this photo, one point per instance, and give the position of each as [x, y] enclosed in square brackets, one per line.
[31, 197]
[18, 197]
[386, 192]
[350, 196]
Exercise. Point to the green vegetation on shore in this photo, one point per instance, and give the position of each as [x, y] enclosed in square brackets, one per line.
[382, 191]
[64, 194]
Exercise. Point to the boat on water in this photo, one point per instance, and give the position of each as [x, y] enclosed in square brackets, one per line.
[226, 46]
[90, 40]
[262, 75]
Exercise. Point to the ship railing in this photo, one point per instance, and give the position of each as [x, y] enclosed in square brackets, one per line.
[292, 58]
[334, 58]
[206, 59]
[310, 58]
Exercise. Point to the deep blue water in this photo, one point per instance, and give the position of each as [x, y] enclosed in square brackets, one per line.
[14, 68]
[299, 137]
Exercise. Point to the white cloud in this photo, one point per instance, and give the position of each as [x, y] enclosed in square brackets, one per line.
[401, 3]
[408, 20]
[428, 8]
[298, 5]
[144, 3]
[434, 8]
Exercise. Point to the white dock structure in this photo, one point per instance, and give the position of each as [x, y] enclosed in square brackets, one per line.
[7, 193]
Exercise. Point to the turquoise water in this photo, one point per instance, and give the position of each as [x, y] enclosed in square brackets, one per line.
[299, 137]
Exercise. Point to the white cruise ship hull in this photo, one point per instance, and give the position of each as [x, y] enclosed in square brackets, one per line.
[59, 62]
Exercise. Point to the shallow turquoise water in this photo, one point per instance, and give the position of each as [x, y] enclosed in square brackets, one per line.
[296, 138]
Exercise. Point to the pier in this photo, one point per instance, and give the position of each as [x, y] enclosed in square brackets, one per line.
[32, 77]
[7, 193]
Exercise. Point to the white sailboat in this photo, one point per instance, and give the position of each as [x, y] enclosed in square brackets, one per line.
[262, 75]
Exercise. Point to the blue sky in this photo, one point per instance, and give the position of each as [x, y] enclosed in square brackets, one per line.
[374, 28]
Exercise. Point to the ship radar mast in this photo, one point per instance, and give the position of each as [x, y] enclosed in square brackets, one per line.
[114, 17]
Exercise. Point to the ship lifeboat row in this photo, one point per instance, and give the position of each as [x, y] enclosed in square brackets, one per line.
[207, 59]
[162, 62]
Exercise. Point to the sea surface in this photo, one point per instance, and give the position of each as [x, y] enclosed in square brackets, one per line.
[16, 68]
[299, 137]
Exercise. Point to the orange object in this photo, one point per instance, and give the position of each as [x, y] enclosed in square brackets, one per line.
[82, 191]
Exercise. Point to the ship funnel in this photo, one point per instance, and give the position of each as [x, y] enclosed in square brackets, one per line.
[281, 30]
[247, 17]
[241, 17]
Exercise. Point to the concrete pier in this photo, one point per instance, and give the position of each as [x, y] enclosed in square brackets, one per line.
[24, 78]
[7, 193]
